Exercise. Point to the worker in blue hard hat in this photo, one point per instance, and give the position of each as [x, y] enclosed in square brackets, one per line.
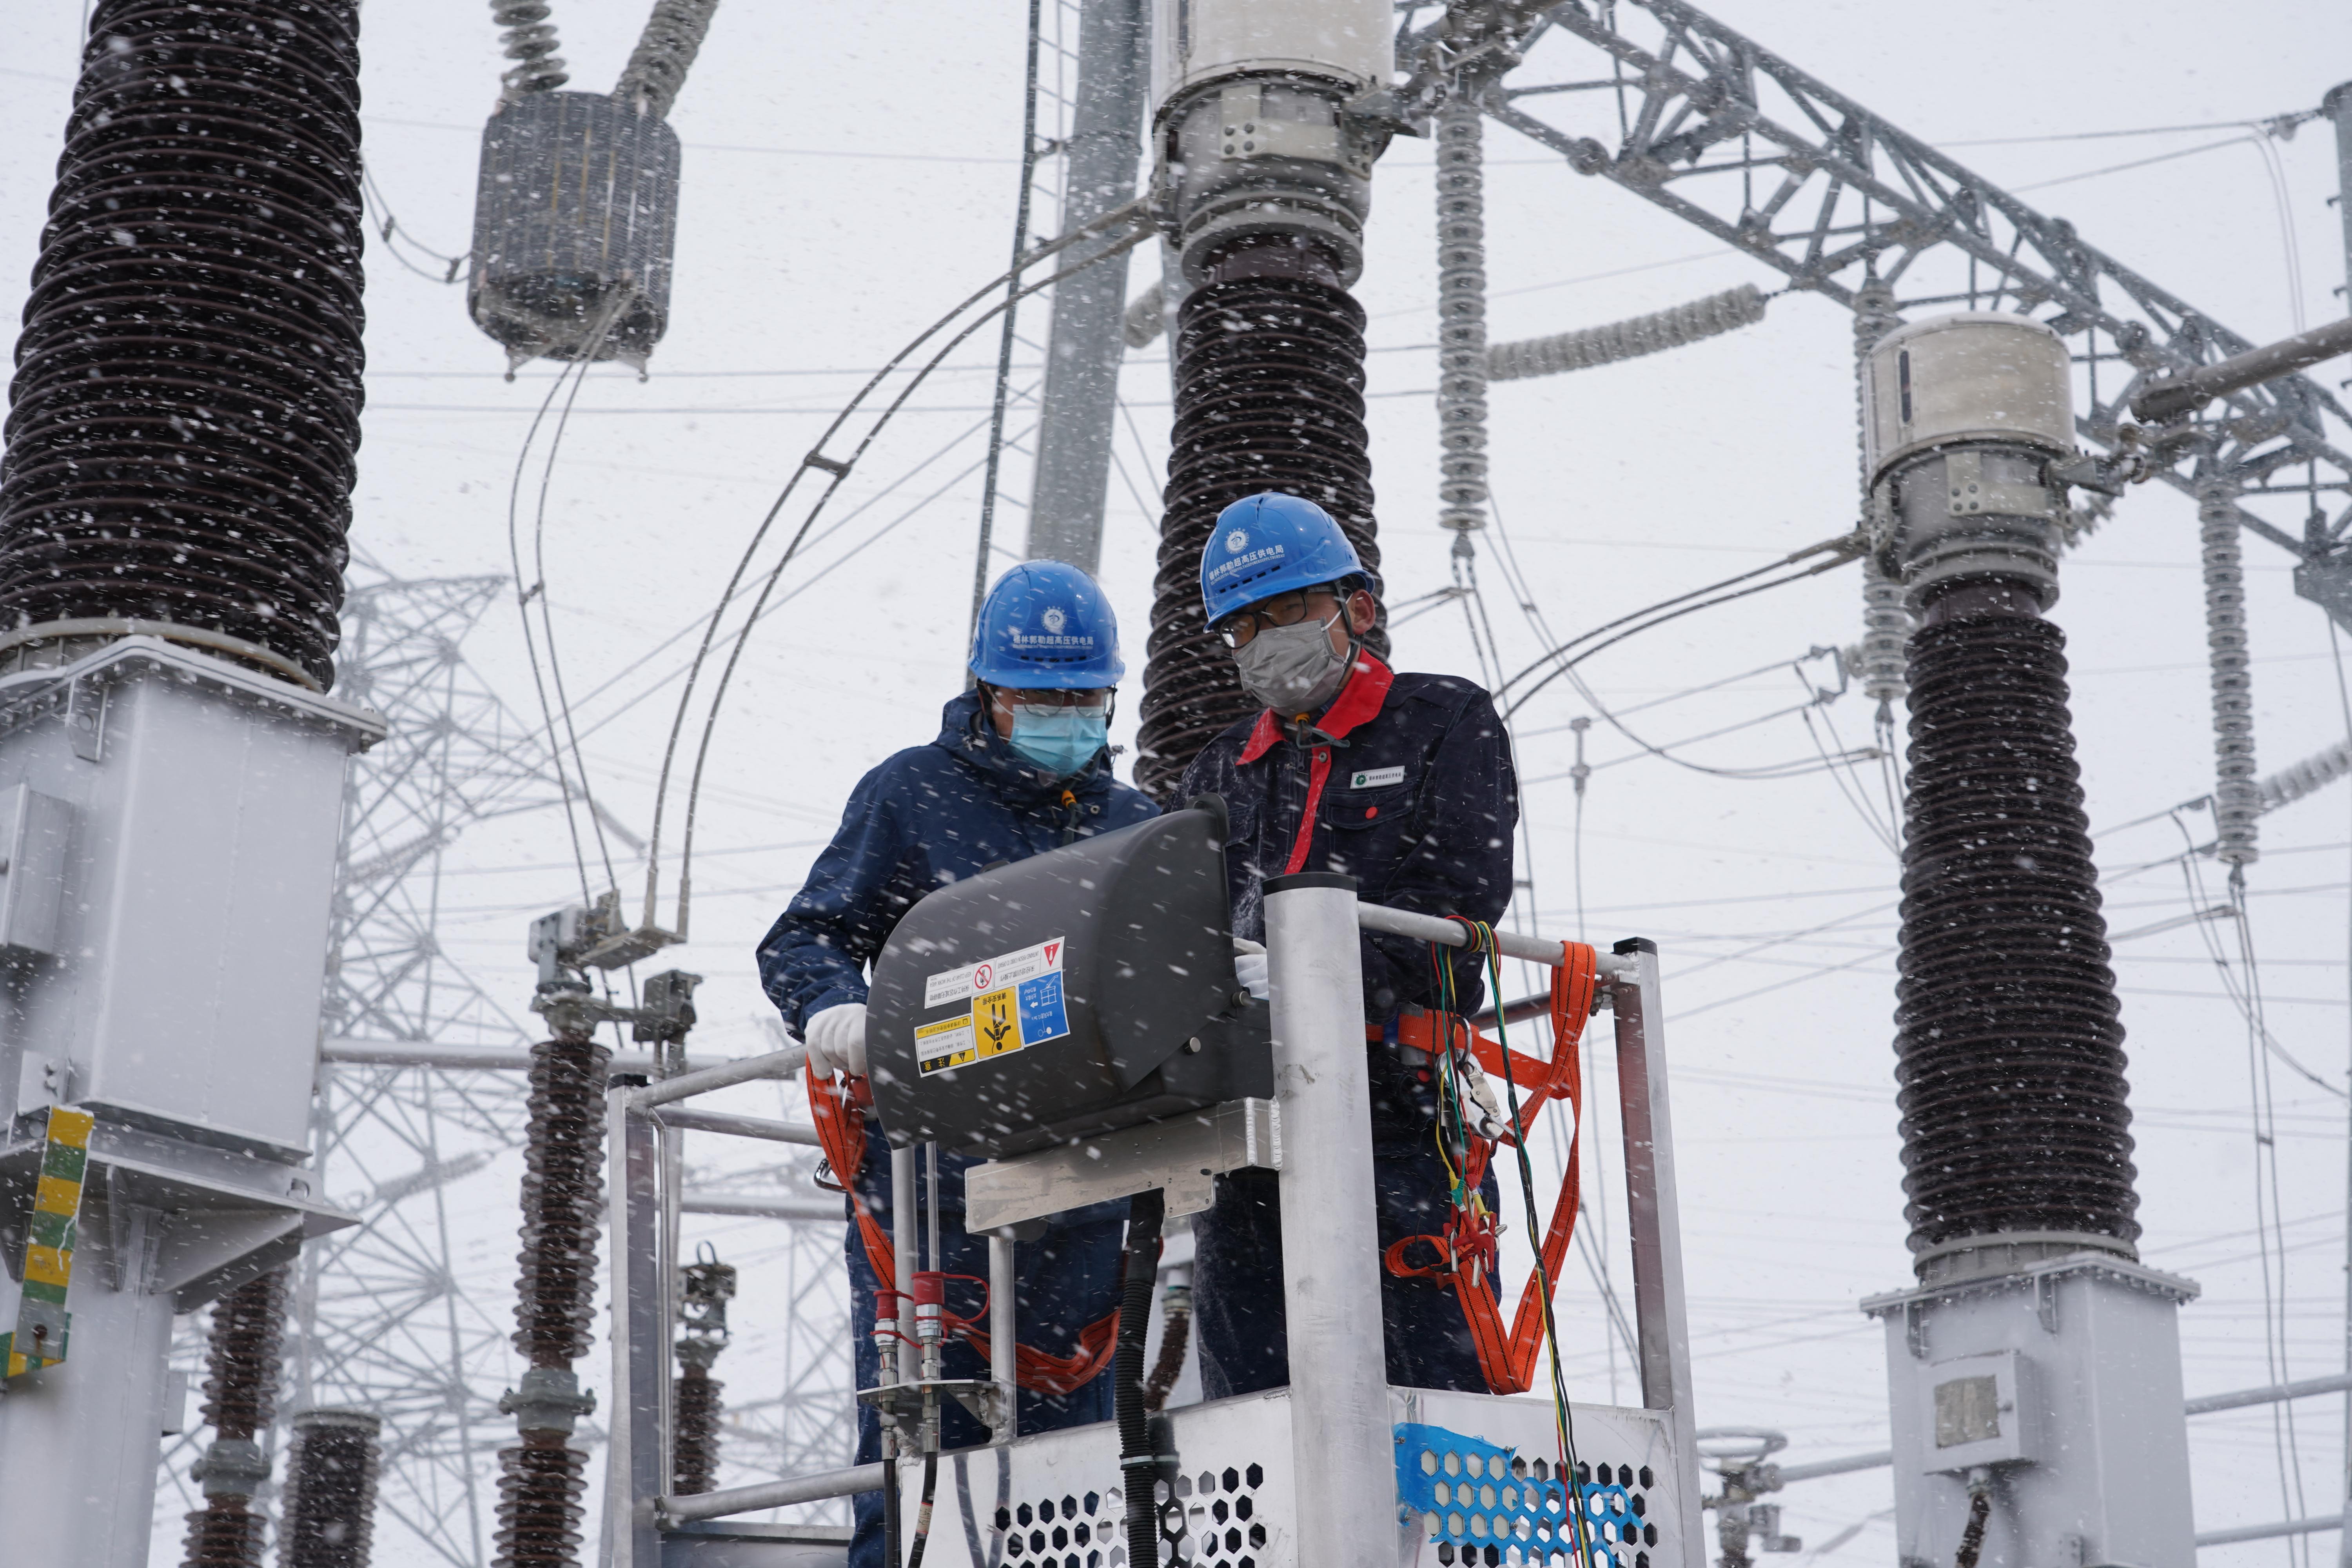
[1405, 782]
[1021, 765]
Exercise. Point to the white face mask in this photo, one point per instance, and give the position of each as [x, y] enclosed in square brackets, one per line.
[1293, 669]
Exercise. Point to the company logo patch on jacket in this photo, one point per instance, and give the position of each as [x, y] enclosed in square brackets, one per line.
[1375, 778]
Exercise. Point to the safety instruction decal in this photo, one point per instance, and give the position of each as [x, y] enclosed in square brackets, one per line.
[1016, 1001]
[973, 980]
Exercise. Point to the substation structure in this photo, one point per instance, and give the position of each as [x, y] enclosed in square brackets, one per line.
[173, 766]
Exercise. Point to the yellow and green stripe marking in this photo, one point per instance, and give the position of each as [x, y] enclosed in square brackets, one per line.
[39, 1338]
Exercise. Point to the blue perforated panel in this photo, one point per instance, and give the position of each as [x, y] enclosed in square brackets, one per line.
[1480, 1502]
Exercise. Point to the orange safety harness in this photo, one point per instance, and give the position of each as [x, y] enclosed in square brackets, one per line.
[1467, 1253]
[841, 1131]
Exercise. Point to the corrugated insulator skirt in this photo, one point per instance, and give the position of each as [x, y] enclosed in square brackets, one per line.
[1269, 396]
[2010, 1054]
[184, 421]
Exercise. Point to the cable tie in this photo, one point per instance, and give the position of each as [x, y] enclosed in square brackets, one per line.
[819, 460]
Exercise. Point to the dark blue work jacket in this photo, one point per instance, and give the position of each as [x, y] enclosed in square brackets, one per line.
[1403, 782]
[928, 816]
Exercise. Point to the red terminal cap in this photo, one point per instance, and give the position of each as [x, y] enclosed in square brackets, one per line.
[885, 1302]
[930, 1289]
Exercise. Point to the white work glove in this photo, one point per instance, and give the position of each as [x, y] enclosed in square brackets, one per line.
[836, 1040]
[1249, 968]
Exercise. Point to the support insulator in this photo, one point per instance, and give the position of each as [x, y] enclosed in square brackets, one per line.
[528, 40]
[664, 52]
[329, 1517]
[1671, 328]
[240, 1400]
[695, 1407]
[1269, 396]
[2237, 799]
[2008, 1047]
[2016, 1141]
[184, 422]
[541, 1479]
[562, 1201]
[1461, 314]
[1885, 618]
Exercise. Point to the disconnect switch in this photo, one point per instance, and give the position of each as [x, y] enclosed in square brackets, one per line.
[34, 831]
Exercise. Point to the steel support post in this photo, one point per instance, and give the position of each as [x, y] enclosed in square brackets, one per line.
[78, 1440]
[1087, 341]
[2338, 105]
[1341, 1445]
[1653, 1218]
[1003, 1324]
[634, 1478]
[904, 1184]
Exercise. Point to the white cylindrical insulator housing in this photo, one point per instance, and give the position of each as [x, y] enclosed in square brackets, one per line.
[1961, 417]
[1976, 375]
[1349, 43]
[1340, 1439]
[1250, 125]
[1461, 316]
[2237, 798]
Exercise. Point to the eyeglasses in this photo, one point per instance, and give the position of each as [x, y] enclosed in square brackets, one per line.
[1282, 610]
[1097, 697]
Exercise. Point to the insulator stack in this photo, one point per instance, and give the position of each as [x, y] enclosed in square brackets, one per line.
[1674, 327]
[693, 1410]
[1269, 396]
[704, 1287]
[328, 1519]
[1462, 358]
[240, 1400]
[541, 1479]
[2010, 1049]
[186, 416]
[528, 40]
[1885, 618]
[2237, 799]
[665, 53]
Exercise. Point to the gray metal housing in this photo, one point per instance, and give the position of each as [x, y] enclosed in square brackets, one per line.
[575, 222]
[2058, 1387]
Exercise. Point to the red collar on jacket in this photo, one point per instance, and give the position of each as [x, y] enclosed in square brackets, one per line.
[1358, 703]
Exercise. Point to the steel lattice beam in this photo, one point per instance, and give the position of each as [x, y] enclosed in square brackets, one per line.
[1669, 103]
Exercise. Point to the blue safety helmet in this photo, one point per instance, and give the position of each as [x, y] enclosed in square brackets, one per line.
[1047, 626]
[1271, 543]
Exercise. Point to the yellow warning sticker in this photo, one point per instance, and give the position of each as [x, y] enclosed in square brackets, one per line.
[943, 1045]
[996, 1022]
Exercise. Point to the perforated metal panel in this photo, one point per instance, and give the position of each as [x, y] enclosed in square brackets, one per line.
[1054, 1502]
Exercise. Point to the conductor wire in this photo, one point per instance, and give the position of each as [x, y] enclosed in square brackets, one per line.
[840, 473]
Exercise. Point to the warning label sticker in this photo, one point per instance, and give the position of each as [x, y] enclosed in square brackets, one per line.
[954, 985]
[1004, 1018]
[946, 1044]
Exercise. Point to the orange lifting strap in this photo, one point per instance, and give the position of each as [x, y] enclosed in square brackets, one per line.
[841, 1131]
[1467, 1253]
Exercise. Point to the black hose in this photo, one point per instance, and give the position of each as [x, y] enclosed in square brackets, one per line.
[1972, 1538]
[889, 1504]
[923, 1514]
[1138, 1464]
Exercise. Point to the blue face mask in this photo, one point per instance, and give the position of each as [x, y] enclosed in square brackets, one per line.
[1061, 741]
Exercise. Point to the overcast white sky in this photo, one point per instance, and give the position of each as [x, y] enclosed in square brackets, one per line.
[850, 172]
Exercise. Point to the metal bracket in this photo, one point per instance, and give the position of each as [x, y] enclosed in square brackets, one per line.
[1181, 1156]
[1915, 1328]
[2045, 1302]
[1969, 493]
[904, 1402]
[86, 718]
[1248, 133]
